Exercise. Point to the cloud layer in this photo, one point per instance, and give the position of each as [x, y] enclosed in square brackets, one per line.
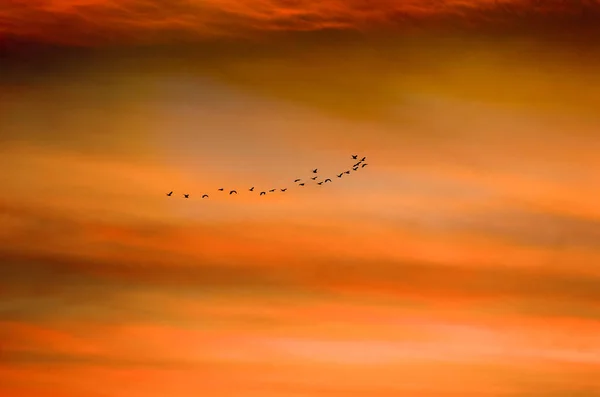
[95, 22]
[461, 262]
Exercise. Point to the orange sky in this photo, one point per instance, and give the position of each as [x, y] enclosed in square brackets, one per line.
[461, 262]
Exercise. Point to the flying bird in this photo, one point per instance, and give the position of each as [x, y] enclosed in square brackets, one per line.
[271, 191]
[355, 167]
[168, 194]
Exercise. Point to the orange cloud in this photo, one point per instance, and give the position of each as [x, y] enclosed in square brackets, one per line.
[462, 262]
[151, 21]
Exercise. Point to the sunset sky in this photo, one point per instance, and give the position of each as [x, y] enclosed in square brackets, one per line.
[463, 261]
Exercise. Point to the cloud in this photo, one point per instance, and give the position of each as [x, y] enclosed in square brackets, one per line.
[94, 22]
[304, 273]
[472, 238]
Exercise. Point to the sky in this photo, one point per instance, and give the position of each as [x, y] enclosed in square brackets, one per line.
[462, 261]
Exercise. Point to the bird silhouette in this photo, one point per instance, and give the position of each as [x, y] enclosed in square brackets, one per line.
[355, 167]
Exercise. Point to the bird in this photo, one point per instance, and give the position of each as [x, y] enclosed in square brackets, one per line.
[355, 168]
[319, 183]
[283, 190]
[186, 196]
[168, 194]
[315, 170]
[233, 191]
[297, 180]
[357, 164]
[327, 180]
[301, 184]
[347, 172]
[261, 193]
[221, 189]
[313, 178]
[205, 196]
[364, 164]
[355, 156]
[271, 191]
[363, 159]
[251, 189]
[340, 175]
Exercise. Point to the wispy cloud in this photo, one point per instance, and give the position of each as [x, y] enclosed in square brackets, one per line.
[460, 262]
[142, 21]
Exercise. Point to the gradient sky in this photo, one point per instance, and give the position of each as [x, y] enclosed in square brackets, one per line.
[463, 261]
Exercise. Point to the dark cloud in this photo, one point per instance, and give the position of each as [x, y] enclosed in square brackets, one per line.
[31, 273]
[52, 245]
[139, 21]
[349, 76]
[16, 357]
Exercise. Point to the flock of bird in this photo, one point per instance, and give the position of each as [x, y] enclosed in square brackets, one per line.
[299, 182]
